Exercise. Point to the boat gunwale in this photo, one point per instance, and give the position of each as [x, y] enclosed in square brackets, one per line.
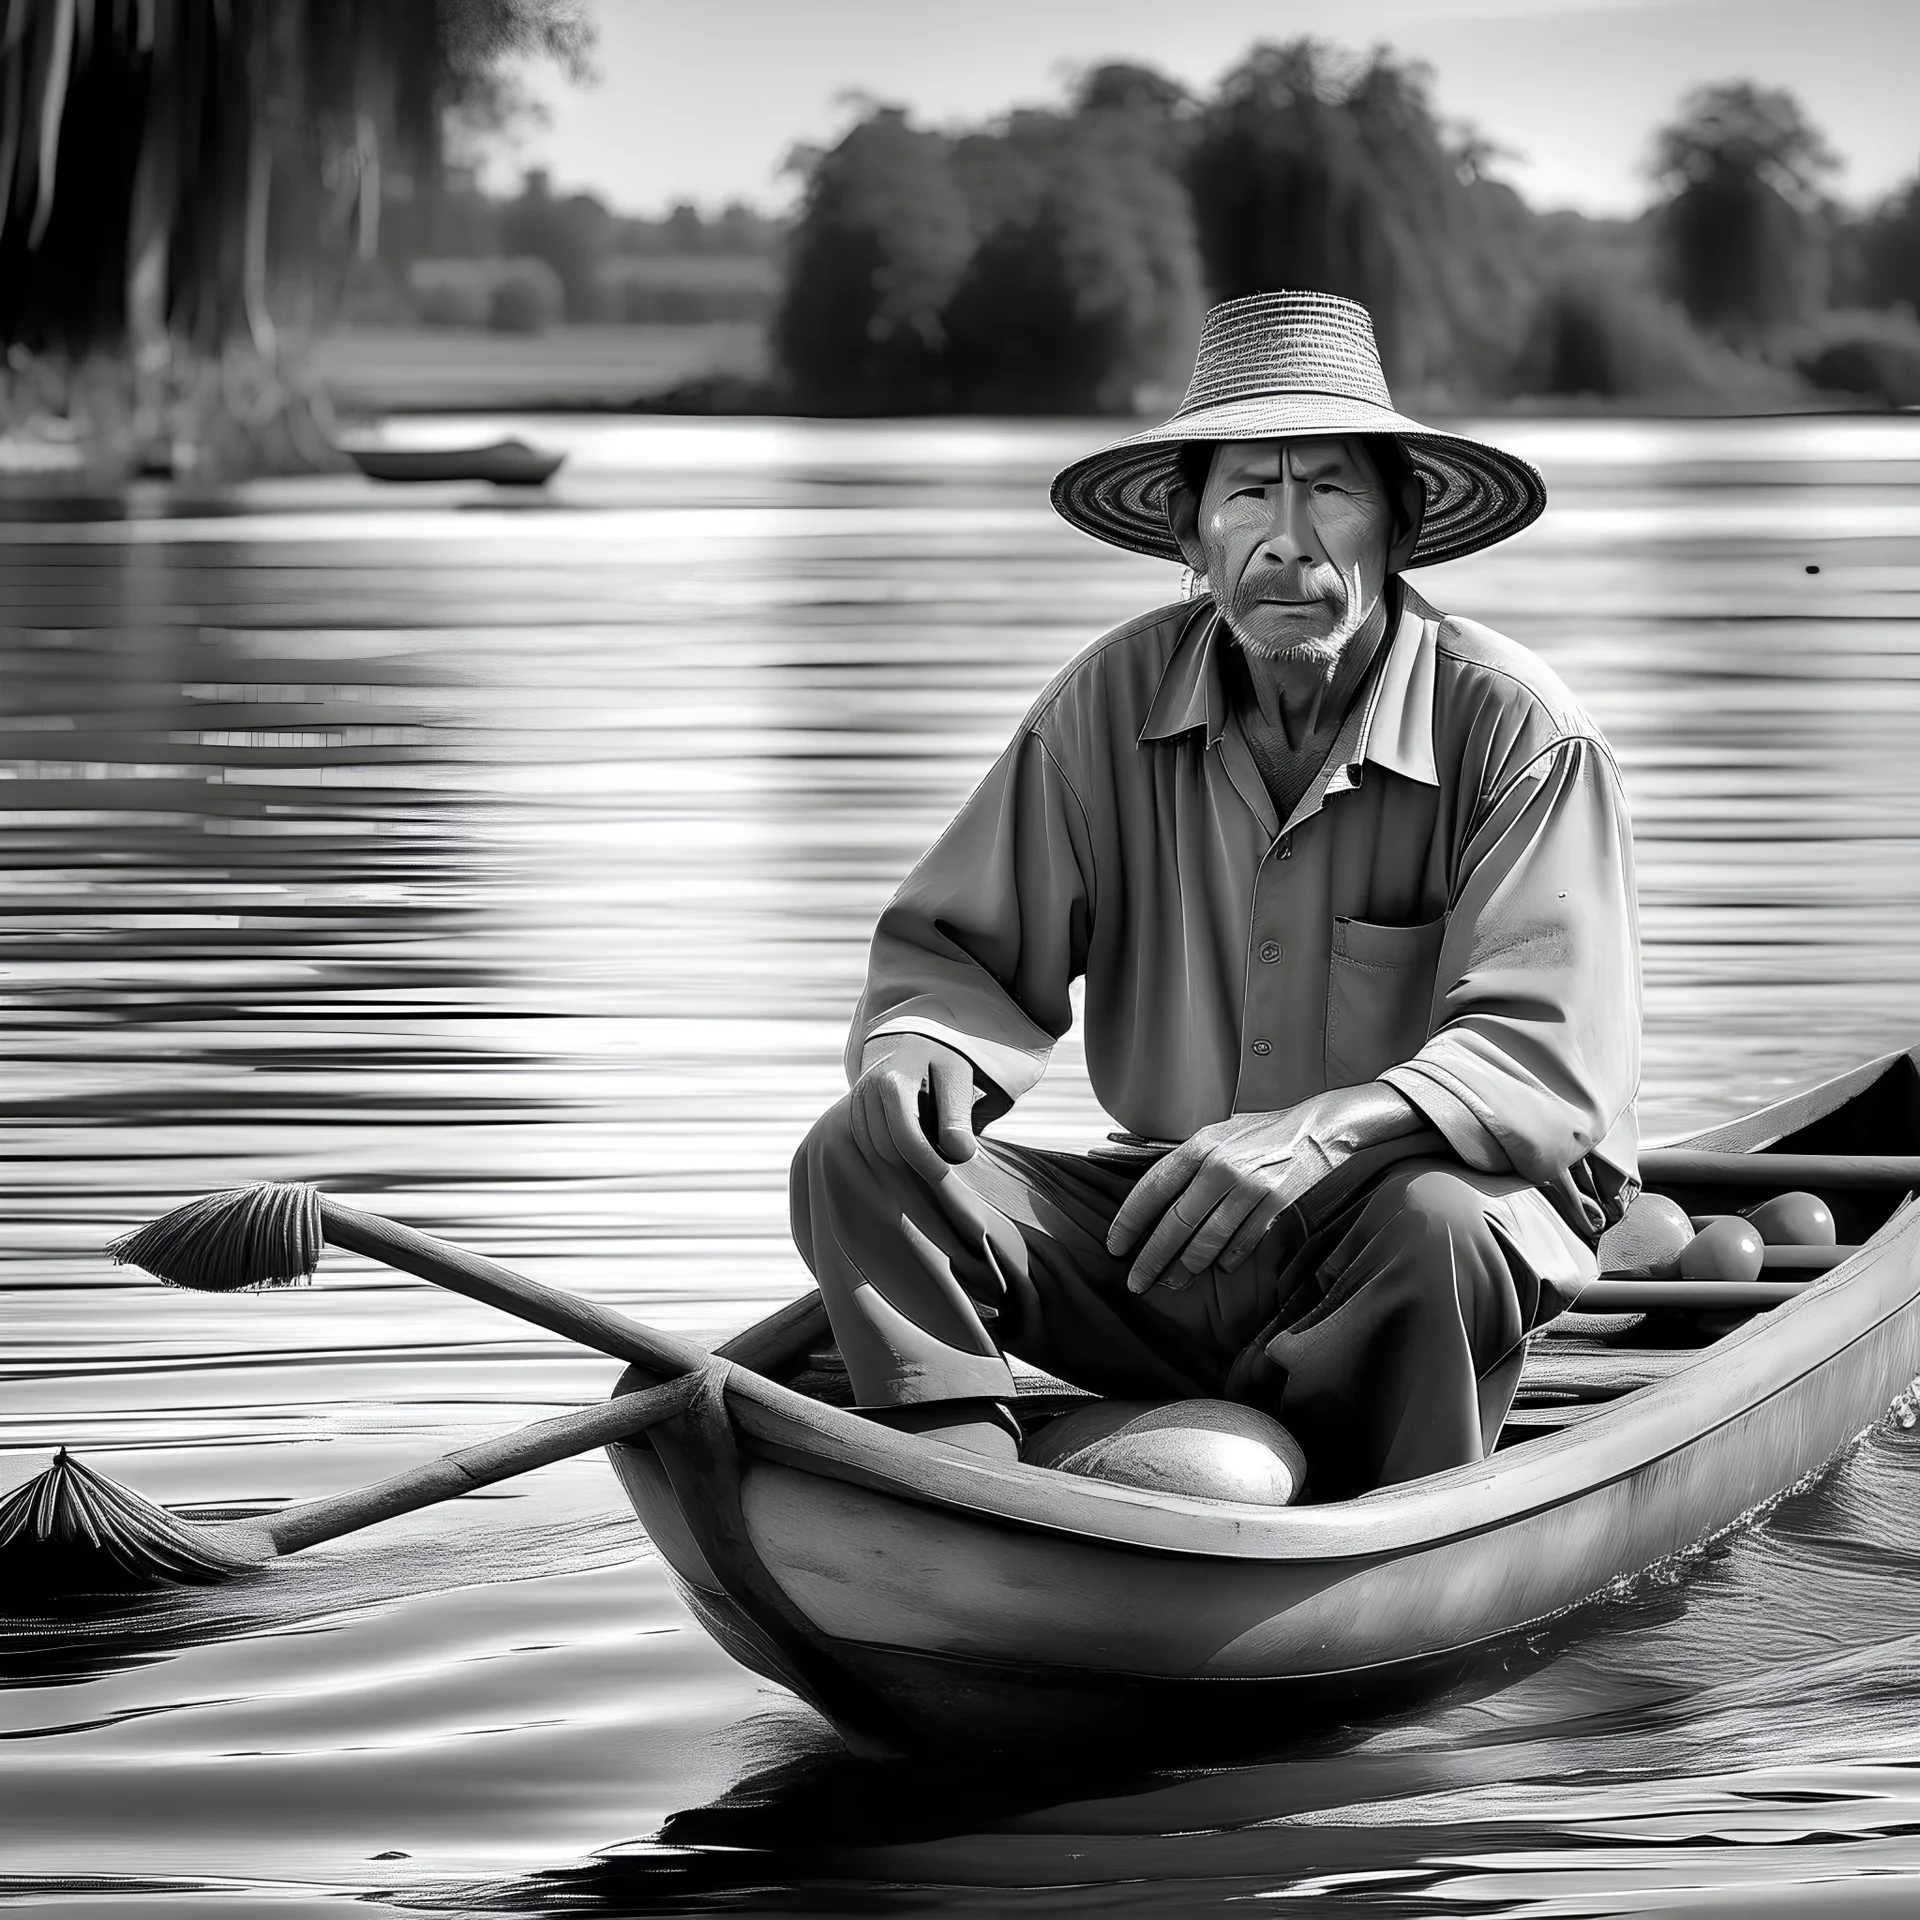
[1648, 1425]
[1425, 1514]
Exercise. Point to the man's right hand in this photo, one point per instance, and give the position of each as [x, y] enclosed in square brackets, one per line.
[913, 1105]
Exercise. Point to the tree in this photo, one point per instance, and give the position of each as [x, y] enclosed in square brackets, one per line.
[1313, 170]
[881, 244]
[1741, 245]
[181, 180]
[1883, 253]
[1084, 286]
[572, 236]
[1147, 109]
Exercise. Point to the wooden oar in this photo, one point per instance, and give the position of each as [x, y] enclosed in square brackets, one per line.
[72, 1530]
[1613, 1293]
[1664, 1167]
[271, 1235]
[1786, 1271]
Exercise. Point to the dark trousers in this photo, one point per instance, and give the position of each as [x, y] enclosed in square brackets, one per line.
[1389, 1343]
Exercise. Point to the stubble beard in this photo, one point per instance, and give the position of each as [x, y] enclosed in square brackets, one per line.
[1322, 654]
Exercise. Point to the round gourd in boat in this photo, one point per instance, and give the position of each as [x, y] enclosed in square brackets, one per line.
[1729, 1249]
[1648, 1238]
[1206, 1449]
[1793, 1220]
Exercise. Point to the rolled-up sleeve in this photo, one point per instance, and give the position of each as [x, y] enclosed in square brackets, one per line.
[988, 932]
[1533, 1056]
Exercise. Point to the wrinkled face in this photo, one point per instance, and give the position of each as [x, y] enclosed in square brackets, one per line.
[1296, 535]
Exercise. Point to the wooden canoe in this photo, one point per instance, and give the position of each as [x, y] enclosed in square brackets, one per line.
[507, 463]
[924, 1600]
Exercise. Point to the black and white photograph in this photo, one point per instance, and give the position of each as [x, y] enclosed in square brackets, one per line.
[959, 960]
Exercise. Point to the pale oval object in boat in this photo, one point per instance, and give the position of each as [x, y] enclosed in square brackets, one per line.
[1205, 1449]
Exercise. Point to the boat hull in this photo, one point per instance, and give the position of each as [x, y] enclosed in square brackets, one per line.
[506, 463]
[925, 1602]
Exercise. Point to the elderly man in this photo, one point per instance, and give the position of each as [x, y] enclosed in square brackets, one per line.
[1350, 884]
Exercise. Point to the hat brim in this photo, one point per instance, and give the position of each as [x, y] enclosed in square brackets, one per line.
[1477, 495]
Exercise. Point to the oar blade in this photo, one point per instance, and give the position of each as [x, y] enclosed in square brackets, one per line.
[264, 1236]
[71, 1531]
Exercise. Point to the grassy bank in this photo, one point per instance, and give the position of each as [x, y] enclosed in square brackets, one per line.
[437, 369]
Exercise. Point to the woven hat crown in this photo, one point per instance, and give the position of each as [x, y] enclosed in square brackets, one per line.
[1287, 343]
[1293, 366]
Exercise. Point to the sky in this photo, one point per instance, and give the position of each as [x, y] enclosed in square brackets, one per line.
[702, 100]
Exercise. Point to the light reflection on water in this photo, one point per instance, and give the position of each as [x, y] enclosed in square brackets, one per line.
[509, 864]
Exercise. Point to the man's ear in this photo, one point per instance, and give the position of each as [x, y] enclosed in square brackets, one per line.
[1183, 518]
[1411, 511]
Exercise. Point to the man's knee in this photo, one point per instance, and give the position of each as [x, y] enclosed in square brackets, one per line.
[1453, 1259]
[1444, 1204]
[829, 1155]
[830, 1146]
[1428, 1202]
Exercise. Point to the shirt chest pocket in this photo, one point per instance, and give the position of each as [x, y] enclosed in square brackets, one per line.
[1379, 996]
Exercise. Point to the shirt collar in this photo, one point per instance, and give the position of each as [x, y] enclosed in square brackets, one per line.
[1189, 694]
[1391, 725]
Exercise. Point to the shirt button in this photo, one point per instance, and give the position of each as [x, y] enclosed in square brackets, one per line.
[1263, 1048]
[1271, 950]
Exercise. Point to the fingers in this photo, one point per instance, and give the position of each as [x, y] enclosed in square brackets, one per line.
[1155, 1192]
[1163, 1244]
[951, 1082]
[1218, 1228]
[886, 1120]
[1253, 1229]
[900, 1100]
[900, 1107]
[1189, 1210]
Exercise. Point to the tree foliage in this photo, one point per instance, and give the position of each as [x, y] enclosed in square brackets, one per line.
[1883, 253]
[179, 175]
[882, 242]
[1741, 241]
[570, 234]
[1044, 264]
[1311, 169]
[1084, 283]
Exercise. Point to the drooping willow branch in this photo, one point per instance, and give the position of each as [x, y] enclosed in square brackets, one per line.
[166, 164]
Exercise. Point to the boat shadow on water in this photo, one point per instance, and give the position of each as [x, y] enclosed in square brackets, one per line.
[1638, 1733]
[1630, 1746]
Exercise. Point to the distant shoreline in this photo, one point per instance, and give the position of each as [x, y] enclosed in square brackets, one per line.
[723, 369]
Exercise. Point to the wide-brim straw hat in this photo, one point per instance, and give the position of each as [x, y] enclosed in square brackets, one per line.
[1294, 366]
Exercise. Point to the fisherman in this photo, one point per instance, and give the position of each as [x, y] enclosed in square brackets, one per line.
[1349, 882]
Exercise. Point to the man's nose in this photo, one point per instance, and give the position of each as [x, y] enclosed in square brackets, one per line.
[1291, 534]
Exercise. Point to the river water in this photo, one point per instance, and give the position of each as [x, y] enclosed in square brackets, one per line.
[507, 863]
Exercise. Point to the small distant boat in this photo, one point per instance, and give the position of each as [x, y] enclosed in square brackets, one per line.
[929, 1601]
[507, 463]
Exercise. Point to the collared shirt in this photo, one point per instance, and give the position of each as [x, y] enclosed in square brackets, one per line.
[1449, 908]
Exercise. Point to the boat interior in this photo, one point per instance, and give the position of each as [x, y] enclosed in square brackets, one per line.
[1585, 1362]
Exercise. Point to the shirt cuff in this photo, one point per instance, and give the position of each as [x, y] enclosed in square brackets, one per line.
[1013, 1070]
[1465, 1132]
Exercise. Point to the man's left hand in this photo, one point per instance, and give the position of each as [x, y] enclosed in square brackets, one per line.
[1216, 1196]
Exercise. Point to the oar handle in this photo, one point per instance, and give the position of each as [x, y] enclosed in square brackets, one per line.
[485, 1280]
[1663, 1167]
[453, 1474]
[1607, 1295]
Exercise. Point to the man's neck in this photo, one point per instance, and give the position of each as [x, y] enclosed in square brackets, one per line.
[1300, 700]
